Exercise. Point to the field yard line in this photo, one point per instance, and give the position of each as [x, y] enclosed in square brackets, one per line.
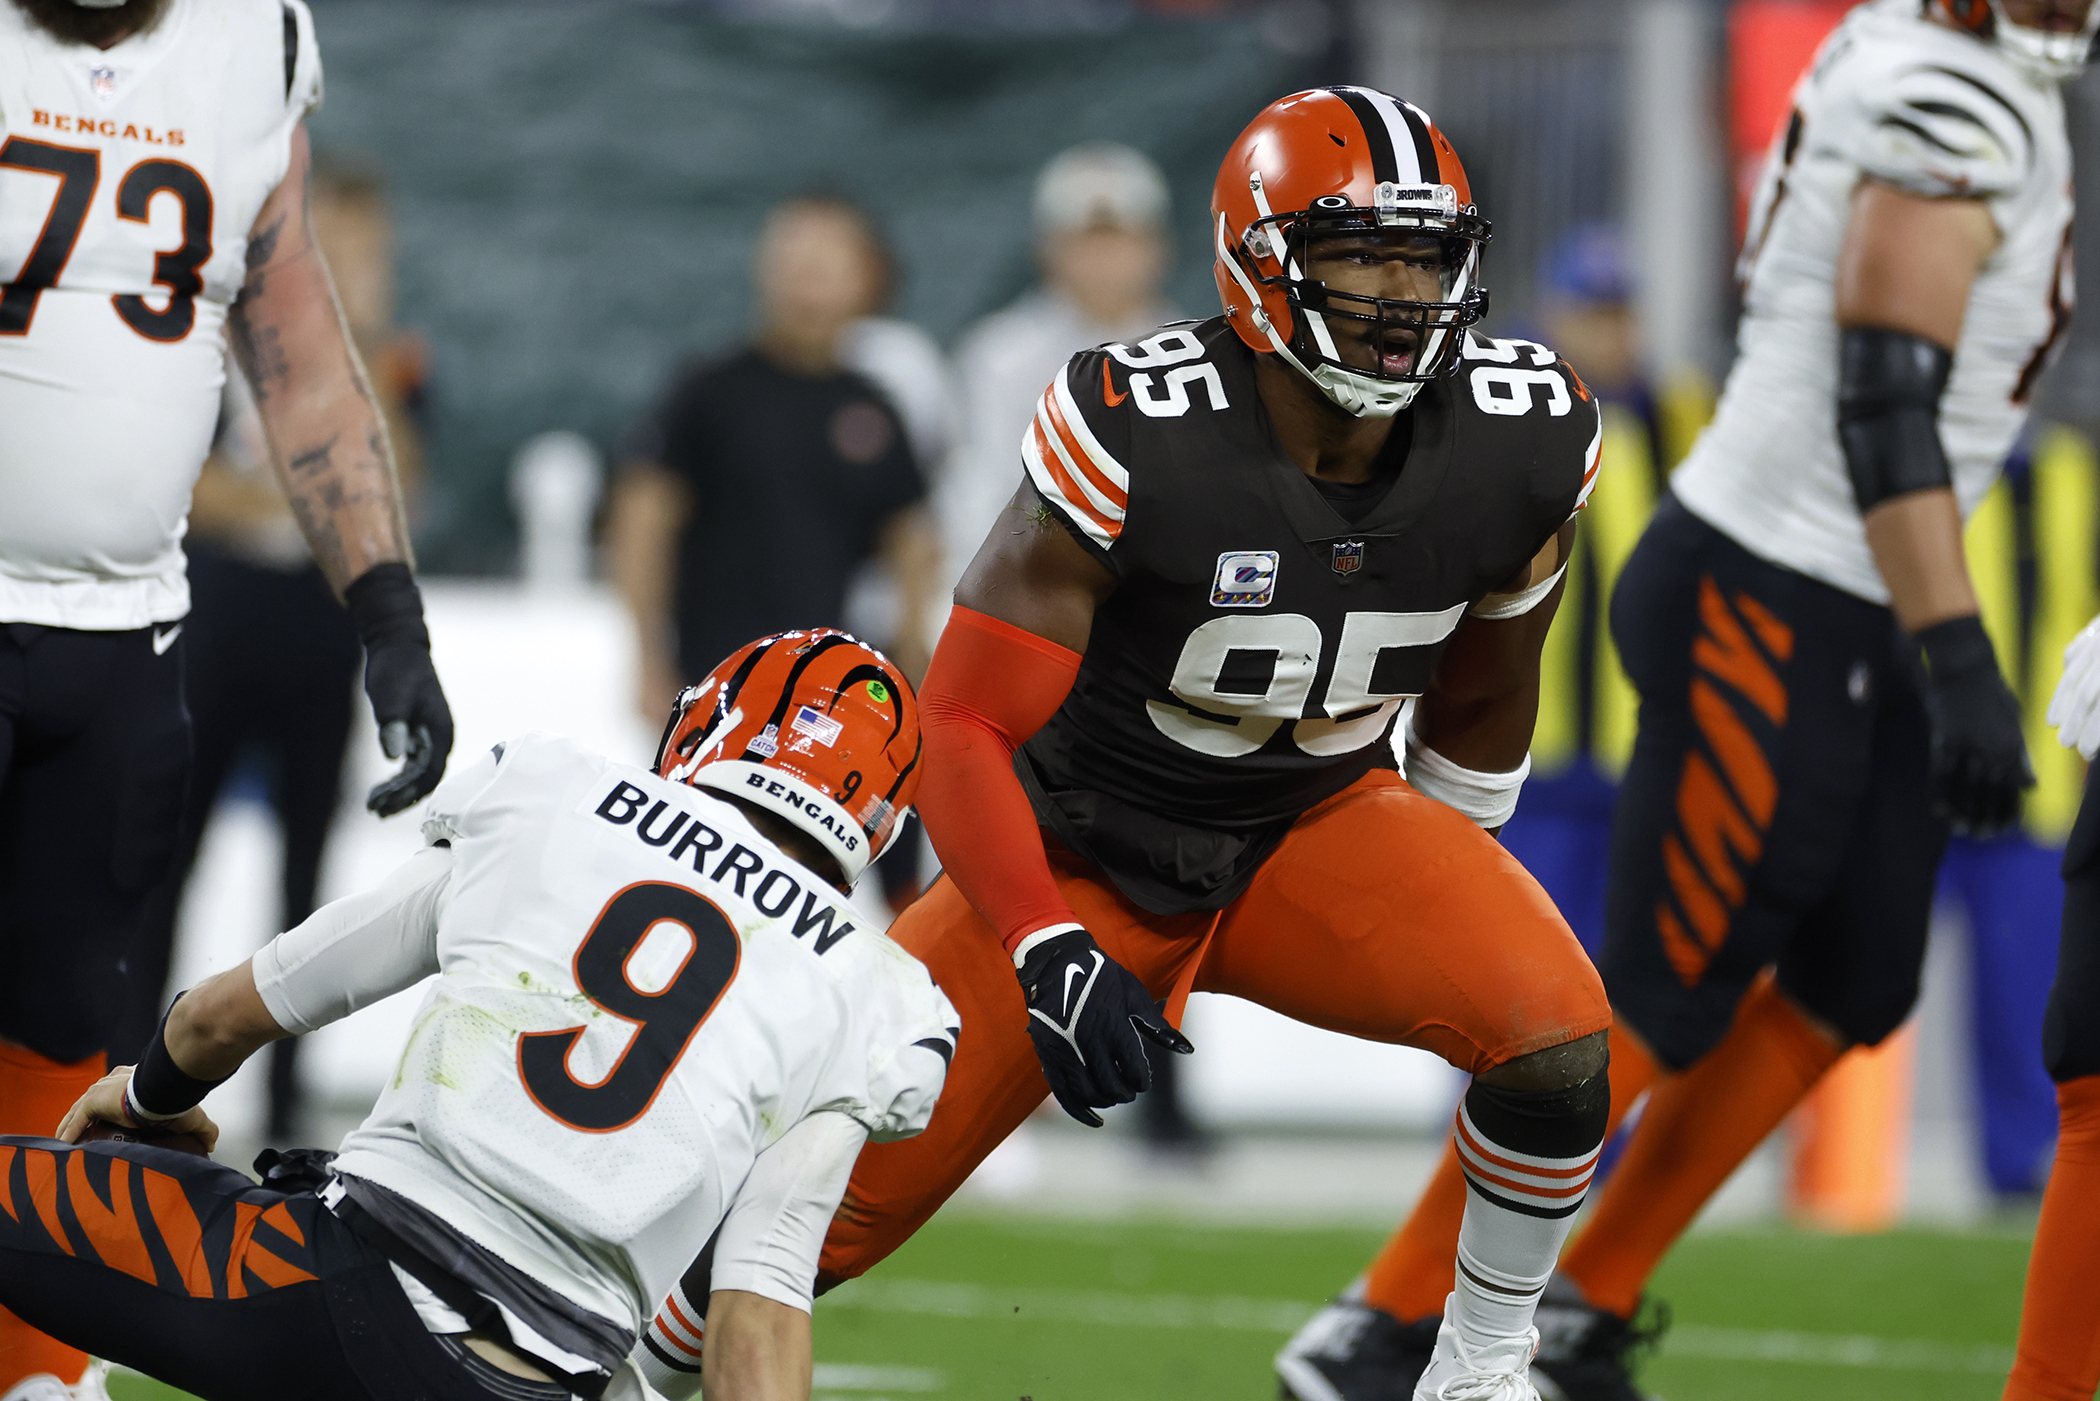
[1836, 1350]
[849, 1376]
[1073, 1305]
[1691, 1340]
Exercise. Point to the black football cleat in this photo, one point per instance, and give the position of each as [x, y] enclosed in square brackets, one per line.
[1589, 1354]
[1350, 1351]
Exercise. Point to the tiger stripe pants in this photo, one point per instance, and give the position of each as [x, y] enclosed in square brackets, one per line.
[1777, 809]
[187, 1271]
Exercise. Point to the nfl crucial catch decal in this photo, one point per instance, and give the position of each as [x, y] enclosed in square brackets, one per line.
[1246, 579]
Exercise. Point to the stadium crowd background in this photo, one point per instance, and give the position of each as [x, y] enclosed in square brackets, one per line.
[575, 195]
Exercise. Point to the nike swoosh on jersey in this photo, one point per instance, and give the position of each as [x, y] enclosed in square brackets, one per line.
[162, 641]
[1108, 388]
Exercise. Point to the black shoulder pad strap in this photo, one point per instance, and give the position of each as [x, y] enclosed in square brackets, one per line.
[1889, 387]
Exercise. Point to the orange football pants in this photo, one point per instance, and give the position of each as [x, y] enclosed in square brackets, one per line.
[1383, 914]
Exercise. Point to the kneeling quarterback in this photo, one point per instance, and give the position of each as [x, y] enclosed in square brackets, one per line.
[1159, 723]
[654, 1027]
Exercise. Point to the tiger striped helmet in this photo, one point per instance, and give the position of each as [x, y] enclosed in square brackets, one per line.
[2055, 54]
[817, 726]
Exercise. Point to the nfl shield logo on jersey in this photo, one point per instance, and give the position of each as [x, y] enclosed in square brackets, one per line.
[104, 81]
[1246, 579]
[1348, 556]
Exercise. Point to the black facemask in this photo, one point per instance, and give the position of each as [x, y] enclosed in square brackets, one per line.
[78, 25]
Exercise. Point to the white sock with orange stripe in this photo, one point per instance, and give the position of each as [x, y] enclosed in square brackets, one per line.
[670, 1352]
[1528, 1157]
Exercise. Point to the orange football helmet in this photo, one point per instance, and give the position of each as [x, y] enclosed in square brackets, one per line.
[2060, 55]
[817, 726]
[1343, 160]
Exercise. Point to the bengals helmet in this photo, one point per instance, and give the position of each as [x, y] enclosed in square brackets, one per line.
[2045, 53]
[817, 726]
[1337, 161]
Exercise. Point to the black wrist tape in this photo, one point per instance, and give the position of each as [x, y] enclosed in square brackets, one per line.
[1889, 387]
[160, 1087]
[1957, 646]
[386, 606]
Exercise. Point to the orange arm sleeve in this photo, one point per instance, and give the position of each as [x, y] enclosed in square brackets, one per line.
[991, 685]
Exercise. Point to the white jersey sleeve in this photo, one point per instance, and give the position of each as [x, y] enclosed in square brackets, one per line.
[357, 950]
[445, 816]
[1936, 131]
[905, 1076]
[775, 1228]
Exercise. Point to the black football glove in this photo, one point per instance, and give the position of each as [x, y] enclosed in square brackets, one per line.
[1979, 750]
[407, 700]
[1089, 1018]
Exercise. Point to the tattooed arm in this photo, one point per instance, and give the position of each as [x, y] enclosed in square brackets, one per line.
[328, 442]
[327, 437]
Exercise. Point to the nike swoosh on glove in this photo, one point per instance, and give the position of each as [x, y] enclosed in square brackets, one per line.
[1979, 751]
[402, 684]
[1089, 1018]
[2075, 707]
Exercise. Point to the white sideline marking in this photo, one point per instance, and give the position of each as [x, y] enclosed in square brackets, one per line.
[944, 1300]
[1837, 1350]
[1072, 1305]
[848, 1376]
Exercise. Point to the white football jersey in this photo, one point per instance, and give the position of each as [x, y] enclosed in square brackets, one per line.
[637, 994]
[129, 181]
[1895, 98]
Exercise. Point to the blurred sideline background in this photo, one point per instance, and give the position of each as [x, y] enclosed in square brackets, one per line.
[575, 190]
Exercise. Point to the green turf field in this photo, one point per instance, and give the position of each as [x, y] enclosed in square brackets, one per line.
[989, 1308]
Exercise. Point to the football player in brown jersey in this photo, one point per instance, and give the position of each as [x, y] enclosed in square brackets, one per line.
[1160, 725]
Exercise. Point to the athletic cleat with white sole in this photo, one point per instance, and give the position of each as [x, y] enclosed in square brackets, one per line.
[1496, 1372]
[1588, 1354]
[94, 1383]
[40, 1386]
[1350, 1351]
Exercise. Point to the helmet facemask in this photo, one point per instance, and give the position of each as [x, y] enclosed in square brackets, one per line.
[2048, 54]
[1370, 355]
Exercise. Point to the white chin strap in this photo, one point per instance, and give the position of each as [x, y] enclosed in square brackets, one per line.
[98, 4]
[1359, 395]
[2054, 57]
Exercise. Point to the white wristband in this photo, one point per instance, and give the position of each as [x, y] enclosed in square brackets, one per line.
[1488, 798]
[142, 1116]
[1497, 606]
[1028, 945]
